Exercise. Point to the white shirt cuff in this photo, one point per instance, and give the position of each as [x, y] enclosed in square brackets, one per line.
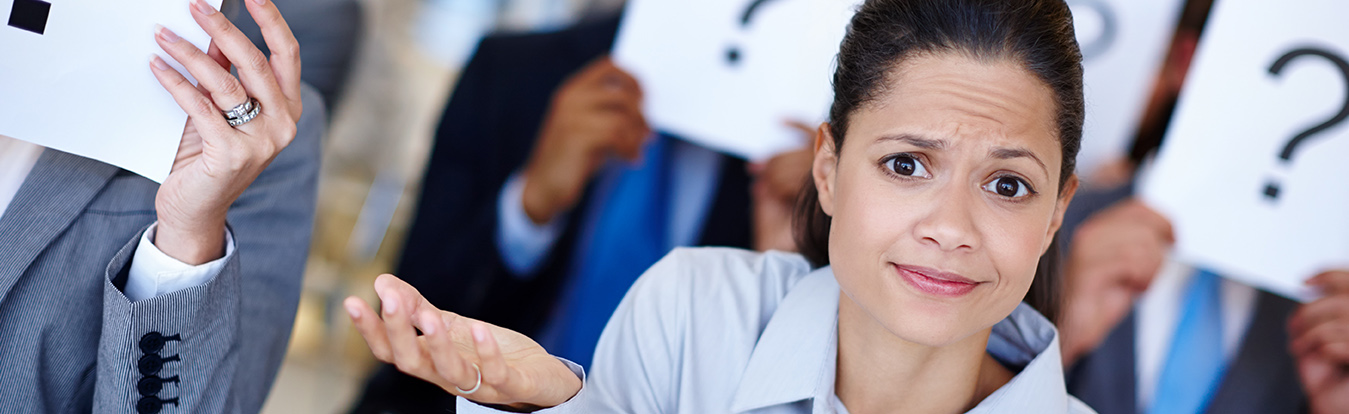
[154, 273]
[522, 244]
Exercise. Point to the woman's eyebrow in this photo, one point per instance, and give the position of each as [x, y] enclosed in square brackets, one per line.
[920, 142]
[1004, 153]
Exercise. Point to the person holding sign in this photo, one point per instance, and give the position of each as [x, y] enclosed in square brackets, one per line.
[121, 295]
[937, 189]
[1126, 341]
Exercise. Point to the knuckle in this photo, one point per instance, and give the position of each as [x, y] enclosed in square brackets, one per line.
[229, 87]
[255, 61]
[203, 105]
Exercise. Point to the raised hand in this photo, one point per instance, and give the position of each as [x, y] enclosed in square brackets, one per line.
[594, 115]
[216, 161]
[1320, 343]
[1114, 257]
[465, 357]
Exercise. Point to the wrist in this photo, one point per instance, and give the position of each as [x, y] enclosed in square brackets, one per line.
[195, 244]
[539, 205]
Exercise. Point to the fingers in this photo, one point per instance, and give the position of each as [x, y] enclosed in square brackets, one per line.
[398, 303]
[1146, 216]
[1332, 282]
[371, 328]
[1327, 339]
[285, 49]
[254, 70]
[201, 111]
[224, 90]
[495, 372]
[449, 363]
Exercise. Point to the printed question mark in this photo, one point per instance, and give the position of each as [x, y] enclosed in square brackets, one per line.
[1109, 27]
[1286, 156]
[733, 53]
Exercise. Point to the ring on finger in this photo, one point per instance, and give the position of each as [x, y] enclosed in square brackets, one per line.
[475, 386]
[243, 113]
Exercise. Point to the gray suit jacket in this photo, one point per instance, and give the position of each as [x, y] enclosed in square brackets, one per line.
[71, 342]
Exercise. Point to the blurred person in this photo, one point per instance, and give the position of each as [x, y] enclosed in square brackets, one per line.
[547, 194]
[1126, 341]
[937, 190]
[121, 295]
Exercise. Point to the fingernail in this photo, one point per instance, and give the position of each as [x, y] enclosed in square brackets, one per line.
[205, 9]
[429, 325]
[167, 34]
[480, 333]
[351, 310]
[260, 2]
[158, 63]
[390, 307]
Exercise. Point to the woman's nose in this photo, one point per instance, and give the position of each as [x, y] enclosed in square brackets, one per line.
[949, 224]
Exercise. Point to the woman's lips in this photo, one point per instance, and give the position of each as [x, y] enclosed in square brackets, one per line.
[935, 282]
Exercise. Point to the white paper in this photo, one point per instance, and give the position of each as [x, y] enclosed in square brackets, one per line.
[677, 50]
[85, 86]
[1233, 119]
[1123, 44]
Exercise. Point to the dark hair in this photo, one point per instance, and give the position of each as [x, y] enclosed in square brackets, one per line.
[1038, 34]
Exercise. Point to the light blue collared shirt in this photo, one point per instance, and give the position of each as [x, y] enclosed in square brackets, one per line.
[716, 330]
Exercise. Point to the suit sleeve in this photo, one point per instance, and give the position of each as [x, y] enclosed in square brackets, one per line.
[216, 348]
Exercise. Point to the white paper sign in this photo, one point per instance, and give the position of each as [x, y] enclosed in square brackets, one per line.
[1265, 72]
[727, 75]
[84, 86]
[1123, 45]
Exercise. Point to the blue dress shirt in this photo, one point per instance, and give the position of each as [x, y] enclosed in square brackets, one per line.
[715, 330]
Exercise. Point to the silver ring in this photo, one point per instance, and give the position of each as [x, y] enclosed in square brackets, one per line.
[475, 386]
[253, 109]
[239, 110]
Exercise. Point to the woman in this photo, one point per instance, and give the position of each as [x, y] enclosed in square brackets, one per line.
[938, 185]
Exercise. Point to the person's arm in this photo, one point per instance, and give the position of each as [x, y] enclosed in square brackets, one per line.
[522, 243]
[215, 346]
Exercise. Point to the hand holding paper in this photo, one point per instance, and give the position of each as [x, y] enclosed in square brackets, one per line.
[216, 161]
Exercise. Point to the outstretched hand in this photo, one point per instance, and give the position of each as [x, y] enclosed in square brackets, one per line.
[453, 351]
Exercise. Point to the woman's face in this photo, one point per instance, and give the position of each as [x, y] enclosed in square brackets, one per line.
[944, 196]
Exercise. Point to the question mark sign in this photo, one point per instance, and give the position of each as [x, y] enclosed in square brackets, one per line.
[733, 53]
[1286, 156]
[1109, 30]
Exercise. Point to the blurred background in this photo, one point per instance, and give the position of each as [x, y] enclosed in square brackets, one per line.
[386, 68]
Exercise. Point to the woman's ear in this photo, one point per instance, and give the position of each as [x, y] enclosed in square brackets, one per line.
[1060, 207]
[824, 168]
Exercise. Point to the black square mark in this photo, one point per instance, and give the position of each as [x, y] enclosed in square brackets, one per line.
[30, 15]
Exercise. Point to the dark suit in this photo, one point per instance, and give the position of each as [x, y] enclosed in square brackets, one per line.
[486, 134]
[1261, 379]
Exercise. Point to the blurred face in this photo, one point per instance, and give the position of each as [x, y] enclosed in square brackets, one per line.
[944, 196]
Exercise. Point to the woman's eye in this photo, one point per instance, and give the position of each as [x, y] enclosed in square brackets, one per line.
[1008, 187]
[907, 165]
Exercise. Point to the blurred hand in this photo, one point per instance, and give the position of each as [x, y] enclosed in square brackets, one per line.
[594, 115]
[1113, 259]
[515, 370]
[1320, 343]
[776, 185]
[215, 161]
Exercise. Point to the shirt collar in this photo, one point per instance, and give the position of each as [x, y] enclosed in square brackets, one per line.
[795, 358]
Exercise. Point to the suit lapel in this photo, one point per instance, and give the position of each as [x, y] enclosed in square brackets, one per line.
[1105, 379]
[1263, 377]
[55, 192]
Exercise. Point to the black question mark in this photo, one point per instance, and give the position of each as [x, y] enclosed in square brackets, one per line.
[30, 15]
[1272, 187]
[1109, 28]
[733, 53]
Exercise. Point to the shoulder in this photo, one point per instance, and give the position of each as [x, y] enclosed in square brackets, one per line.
[583, 41]
[719, 281]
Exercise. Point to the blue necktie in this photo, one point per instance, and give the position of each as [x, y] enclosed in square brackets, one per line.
[1195, 364]
[630, 234]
